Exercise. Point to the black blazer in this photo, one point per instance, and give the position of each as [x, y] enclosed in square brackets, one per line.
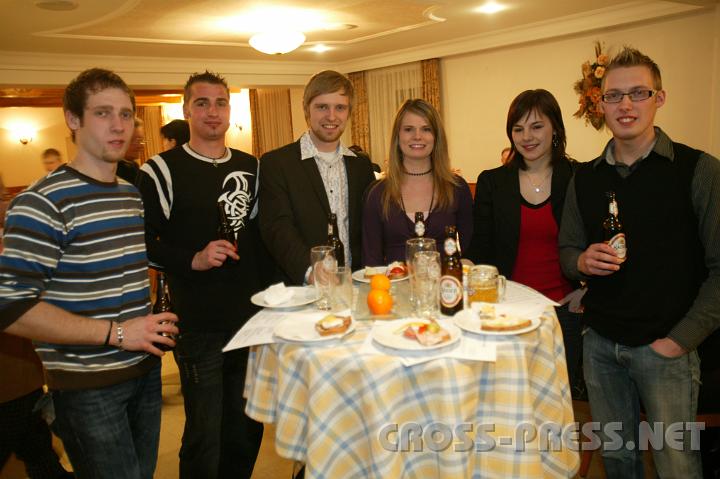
[294, 208]
[496, 213]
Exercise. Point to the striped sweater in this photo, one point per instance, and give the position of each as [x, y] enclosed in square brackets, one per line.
[78, 244]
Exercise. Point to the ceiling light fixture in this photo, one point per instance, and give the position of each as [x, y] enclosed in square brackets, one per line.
[490, 7]
[320, 48]
[275, 42]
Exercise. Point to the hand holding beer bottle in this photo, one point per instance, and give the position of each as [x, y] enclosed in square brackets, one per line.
[603, 259]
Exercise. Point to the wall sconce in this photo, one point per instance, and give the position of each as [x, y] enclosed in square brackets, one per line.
[23, 132]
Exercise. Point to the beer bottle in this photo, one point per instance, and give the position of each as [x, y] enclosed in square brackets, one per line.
[451, 287]
[225, 229]
[162, 305]
[419, 224]
[334, 240]
[614, 235]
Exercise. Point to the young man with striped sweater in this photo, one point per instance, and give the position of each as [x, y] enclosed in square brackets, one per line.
[73, 277]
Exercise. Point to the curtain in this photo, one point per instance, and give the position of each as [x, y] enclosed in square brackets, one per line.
[153, 119]
[271, 118]
[431, 82]
[360, 120]
[387, 89]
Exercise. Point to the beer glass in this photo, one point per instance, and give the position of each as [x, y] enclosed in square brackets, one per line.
[426, 268]
[485, 284]
[322, 259]
[412, 246]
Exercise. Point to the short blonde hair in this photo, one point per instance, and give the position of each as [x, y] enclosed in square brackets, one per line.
[328, 81]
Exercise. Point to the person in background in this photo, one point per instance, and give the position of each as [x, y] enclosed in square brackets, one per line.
[303, 182]
[175, 133]
[73, 278]
[210, 279]
[419, 179]
[357, 149]
[129, 167]
[518, 210]
[649, 310]
[505, 155]
[51, 159]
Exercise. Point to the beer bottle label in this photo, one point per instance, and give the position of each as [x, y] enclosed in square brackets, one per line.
[450, 291]
[613, 209]
[419, 228]
[617, 243]
[450, 247]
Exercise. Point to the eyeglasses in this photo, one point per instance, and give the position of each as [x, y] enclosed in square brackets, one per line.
[634, 95]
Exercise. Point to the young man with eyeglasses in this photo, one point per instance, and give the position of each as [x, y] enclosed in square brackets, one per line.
[646, 316]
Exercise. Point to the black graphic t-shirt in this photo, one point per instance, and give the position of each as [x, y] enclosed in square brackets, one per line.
[181, 190]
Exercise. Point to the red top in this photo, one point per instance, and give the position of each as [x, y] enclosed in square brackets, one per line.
[538, 263]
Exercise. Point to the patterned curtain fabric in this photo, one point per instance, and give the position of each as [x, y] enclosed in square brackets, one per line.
[153, 119]
[254, 120]
[271, 118]
[387, 89]
[431, 82]
[360, 118]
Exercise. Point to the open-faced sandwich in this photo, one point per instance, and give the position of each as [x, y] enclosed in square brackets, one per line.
[371, 271]
[396, 270]
[332, 324]
[426, 333]
[504, 322]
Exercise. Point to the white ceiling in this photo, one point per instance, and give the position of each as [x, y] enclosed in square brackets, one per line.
[165, 34]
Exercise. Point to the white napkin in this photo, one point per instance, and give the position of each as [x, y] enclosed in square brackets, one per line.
[278, 294]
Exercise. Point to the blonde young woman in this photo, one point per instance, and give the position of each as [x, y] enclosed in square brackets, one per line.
[419, 179]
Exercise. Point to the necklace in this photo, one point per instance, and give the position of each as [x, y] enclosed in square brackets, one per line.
[540, 186]
[418, 174]
[214, 160]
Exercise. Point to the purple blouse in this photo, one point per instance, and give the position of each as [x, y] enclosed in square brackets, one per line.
[383, 241]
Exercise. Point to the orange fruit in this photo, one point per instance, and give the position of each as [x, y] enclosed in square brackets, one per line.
[379, 301]
[380, 281]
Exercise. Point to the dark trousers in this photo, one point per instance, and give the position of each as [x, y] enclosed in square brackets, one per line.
[219, 439]
[571, 325]
[25, 433]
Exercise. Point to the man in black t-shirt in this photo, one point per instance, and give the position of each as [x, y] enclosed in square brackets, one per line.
[210, 279]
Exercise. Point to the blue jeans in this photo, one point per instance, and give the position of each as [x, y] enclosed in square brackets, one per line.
[111, 432]
[618, 378]
[219, 439]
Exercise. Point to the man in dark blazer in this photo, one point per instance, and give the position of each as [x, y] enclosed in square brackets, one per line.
[303, 182]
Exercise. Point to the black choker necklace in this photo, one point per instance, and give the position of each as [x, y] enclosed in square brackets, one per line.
[214, 160]
[418, 174]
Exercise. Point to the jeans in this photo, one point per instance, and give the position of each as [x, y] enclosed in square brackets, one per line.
[111, 432]
[219, 439]
[618, 378]
[571, 326]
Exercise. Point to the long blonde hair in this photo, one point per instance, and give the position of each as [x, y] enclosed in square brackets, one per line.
[443, 179]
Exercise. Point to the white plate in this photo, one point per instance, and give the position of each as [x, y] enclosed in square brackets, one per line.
[359, 275]
[469, 321]
[389, 334]
[303, 329]
[302, 295]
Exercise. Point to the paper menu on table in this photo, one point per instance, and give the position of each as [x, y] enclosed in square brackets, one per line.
[258, 330]
[519, 293]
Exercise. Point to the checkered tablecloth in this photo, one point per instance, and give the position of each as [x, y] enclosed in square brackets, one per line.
[335, 410]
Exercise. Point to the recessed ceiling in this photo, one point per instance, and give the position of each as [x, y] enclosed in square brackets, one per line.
[220, 29]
